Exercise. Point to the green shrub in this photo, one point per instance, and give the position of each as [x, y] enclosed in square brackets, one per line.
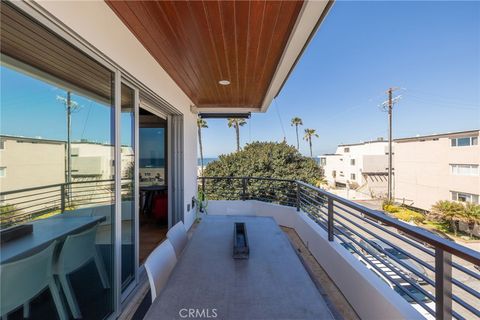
[409, 215]
[391, 208]
[387, 203]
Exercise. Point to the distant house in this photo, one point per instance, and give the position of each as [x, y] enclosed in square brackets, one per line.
[360, 166]
[437, 167]
[30, 162]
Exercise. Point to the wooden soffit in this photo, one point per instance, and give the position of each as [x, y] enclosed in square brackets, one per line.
[199, 43]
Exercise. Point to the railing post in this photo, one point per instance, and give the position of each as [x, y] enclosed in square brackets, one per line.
[330, 219]
[443, 284]
[298, 196]
[244, 188]
[62, 198]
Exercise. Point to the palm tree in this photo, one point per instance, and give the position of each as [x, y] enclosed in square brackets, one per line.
[296, 121]
[472, 216]
[309, 133]
[450, 212]
[201, 124]
[237, 123]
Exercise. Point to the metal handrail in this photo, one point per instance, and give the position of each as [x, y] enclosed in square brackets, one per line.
[329, 210]
[52, 186]
[432, 239]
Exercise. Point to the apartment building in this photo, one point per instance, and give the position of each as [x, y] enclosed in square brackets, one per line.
[437, 167]
[360, 166]
[30, 162]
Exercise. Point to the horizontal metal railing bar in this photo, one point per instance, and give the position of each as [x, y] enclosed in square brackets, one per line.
[383, 260]
[248, 178]
[88, 200]
[309, 195]
[421, 303]
[466, 288]
[449, 246]
[376, 225]
[32, 206]
[93, 184]
[8, 200]
[47, 186]
[24, 217]
[466, 306]
[466, 271]
[56, 196]
[426, 265]
[89, 189]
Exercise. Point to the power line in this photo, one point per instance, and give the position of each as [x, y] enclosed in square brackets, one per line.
[280, 120]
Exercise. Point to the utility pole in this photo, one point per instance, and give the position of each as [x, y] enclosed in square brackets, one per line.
[69, 149]
[70, 107]
[388, 106]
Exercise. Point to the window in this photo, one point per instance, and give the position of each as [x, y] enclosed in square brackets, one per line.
[346, 149]
[323, 161]
[352, 162]
[341, 174]
[464, 197]
[464, 141]
[2, 144]
[352, 176]
[47, 83]
[465, 169]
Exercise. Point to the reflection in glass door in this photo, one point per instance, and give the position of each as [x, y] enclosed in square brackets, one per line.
[127, 137]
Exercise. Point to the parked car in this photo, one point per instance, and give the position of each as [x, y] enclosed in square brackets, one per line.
[390, 275]
[386, 251]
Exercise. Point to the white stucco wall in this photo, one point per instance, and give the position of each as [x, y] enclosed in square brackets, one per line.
[369, 157]
[96, 23]
[423, 174]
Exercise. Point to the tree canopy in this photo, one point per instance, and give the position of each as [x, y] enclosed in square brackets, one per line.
[266, 159]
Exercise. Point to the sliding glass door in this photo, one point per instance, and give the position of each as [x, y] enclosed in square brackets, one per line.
[128, 193]
[57, 151]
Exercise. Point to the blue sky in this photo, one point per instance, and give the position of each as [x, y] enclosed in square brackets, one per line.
[431, 50]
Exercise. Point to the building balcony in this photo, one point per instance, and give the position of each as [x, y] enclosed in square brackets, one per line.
[377, 266]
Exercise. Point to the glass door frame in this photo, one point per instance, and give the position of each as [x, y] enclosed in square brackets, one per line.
[136, 196]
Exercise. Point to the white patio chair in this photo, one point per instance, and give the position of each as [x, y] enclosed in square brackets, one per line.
[178, 237]
[78, 249]
[159, 265]
[23, 279]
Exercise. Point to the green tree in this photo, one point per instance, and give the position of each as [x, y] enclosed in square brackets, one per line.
[201, 123]
[472, 216]
[237, 123]
[296, 121]
[309, 134]
[265, 160]
[449, 212]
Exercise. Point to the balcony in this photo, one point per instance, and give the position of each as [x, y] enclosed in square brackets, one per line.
[382, 266]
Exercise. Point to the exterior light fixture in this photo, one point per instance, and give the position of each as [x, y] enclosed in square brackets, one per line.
[224, 82]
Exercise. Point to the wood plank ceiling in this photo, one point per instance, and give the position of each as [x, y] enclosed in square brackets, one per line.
[199, 43]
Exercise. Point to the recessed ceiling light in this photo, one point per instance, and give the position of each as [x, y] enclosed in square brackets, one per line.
[224, 82]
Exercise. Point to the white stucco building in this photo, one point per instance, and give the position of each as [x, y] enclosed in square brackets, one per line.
[360, 166]
[437, 167]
